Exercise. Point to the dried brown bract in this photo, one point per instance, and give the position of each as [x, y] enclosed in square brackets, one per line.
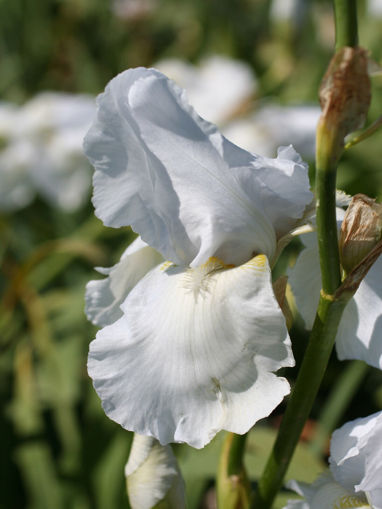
[361, 230]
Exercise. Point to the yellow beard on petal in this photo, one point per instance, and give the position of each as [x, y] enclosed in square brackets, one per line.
[166, 265]
[349, 501]
[257, 262]
[198, 280]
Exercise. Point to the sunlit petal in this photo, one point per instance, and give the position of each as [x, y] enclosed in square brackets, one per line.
[360, 331]
[104, 296]
[356, 456]
[325, 493]
[189, 192]
[195, 352]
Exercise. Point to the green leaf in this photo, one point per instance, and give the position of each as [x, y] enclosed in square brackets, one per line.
[38, 471]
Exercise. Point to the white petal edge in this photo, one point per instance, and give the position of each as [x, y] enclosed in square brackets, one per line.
[360, 331]
[359, 334]
[194, 353]
[356, 456]
[325, 493]
[104, 297]
[152, 475]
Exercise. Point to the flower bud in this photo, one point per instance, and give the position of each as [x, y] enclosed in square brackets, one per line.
[344, 97]
[152, 476]
[361, 230]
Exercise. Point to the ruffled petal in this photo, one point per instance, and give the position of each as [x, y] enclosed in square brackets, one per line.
[325, 493]
[104, 296]
[183, 187]
[356, 456]
[152, 475]
[195, 352]
[285, 188]
[360, 332]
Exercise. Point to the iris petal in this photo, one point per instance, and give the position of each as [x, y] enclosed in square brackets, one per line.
[194, 352]
[189, 192]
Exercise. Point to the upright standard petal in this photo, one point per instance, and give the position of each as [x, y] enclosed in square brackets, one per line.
[104, 296]
[170, 174]
[194, 353]
[285, 192]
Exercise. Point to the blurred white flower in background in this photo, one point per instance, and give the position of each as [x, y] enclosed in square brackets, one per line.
[15, 187]
[189, 346]
[222, 90]
[41, 151]
[218, 88]
[133, 9]
[272, 125]
[355, 478]
[293, 11]
[375, 8]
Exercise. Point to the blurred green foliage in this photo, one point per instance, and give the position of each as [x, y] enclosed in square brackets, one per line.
[58, 450]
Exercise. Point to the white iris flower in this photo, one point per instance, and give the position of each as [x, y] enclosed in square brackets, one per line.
[355, 478]
[191, 344]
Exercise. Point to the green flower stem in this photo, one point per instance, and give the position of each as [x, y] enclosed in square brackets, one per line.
[233, 487]
[335, 121]
[338, 400]
[346, 23]
[326, 163]
[301, 401]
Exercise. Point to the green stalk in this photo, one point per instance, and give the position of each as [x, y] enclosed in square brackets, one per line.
[327, 233]
[346, 23]
[233, 487]
[342, 104]
[336, 404]
[301, 401]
